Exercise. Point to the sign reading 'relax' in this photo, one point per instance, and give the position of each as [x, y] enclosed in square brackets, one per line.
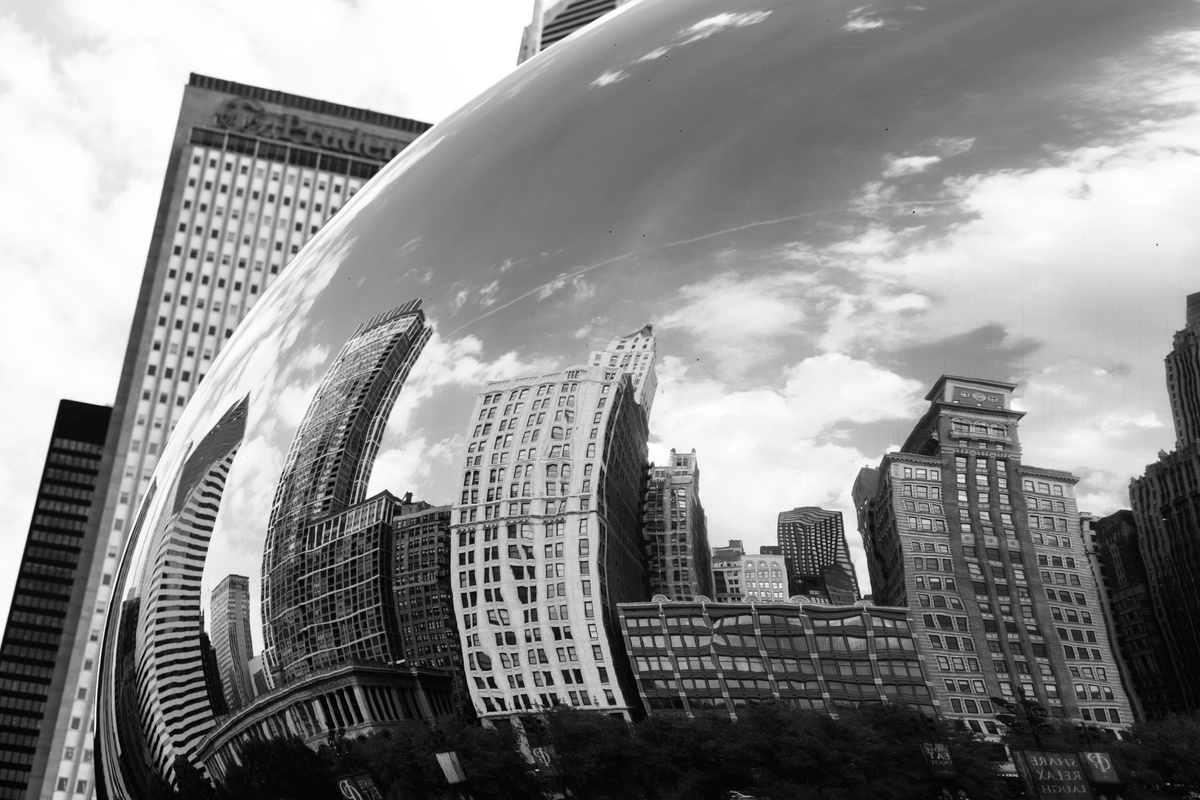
[1051, 775]
[249, 117]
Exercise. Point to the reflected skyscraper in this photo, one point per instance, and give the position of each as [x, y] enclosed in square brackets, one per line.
[986, 551]
[312, 618]
[1166, 506]
[229, 623]
[675, 530]
[555, 20]
[251, 175]
[813, 543]
[547, 536]
[173, 685]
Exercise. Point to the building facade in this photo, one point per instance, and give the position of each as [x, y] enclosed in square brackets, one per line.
[813, 542]
[986, 551]
[1140, 642]
[703, 658]
[1166, 509]
[555, 20]
[547, 535]
[678, 558]
[229, 630]
[322, 528]
[46, 602]
[252, 174]
[727, 572]
[424, 595]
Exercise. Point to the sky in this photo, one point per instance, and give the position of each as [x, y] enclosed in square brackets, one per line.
[821, 208]
[90, 94]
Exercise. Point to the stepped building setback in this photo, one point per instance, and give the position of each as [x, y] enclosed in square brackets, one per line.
[986, 552]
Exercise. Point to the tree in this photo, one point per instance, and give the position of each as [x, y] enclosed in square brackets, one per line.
[1161, 753]
[279, 769]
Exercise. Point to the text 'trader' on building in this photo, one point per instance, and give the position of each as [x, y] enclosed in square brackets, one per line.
[986, 552]
[546, 533]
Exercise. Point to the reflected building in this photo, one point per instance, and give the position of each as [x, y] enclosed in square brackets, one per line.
[173, 685]
[813, 542]
[229, 624]
[547, 533]
[986, 551]
[424, 596]
[1166, 508]
[727, 572]
[251, 175]
[1138, 636]
[675, 530]
[46, 603]
[328, 556]
[555, 20]
[718, 658]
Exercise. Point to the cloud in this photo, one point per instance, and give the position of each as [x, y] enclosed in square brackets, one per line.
[710, 26]
[609, 77]
[908, 165]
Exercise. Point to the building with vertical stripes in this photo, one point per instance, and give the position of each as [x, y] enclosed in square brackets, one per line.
[229, 629]
[675, 530]
[46, 603]
[986, 552]
[252, 174]
[818, 559]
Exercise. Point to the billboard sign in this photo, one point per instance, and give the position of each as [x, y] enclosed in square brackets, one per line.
[1053, 775]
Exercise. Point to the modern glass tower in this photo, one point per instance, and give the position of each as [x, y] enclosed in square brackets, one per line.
[555, 20]
[818, 559]
[229, 624]
[252, 174]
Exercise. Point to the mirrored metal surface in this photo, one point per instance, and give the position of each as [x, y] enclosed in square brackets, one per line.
[820, 207]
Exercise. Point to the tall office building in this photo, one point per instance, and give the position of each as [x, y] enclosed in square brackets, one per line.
[312, 618]
[252, 174]
[1166, 507]
[818, 559]
[424, 595]
[675, 530]
[727, 572]
[555, 20]
[229, 626]
[547, 534]
[986, 552]
[173, 686]
[47, 599]
[1138, 636]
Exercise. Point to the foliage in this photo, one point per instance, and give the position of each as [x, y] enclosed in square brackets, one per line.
[772, 751]
[1161, 757]
[279, 769]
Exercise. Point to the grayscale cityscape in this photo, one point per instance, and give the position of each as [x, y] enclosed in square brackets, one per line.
[399, 494]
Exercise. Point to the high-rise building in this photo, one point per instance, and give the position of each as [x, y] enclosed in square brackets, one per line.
[727, 572]
[229, 626]
[675, 530]
[1139, 638]
[1183, 376]
[312, 618]
[1166, 508]
[252, 174]
[547, 535]
[698, 658]
[424, 595]
[986, 551]
[173, 686]
[818, 559]
[47, 599]
[555, 20]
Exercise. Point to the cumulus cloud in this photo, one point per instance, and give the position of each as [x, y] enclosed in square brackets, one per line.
[908, 165]
[610, 77]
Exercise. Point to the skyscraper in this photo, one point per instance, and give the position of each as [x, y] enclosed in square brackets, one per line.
[1139, 637]
[47, 599]
[986, 552]
[818, 558]
[1166, 507]
[252, 174]
[325, 474]
[675, 530]
[547, 534]
[727, 572]
[555, 20]
[229, 623]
